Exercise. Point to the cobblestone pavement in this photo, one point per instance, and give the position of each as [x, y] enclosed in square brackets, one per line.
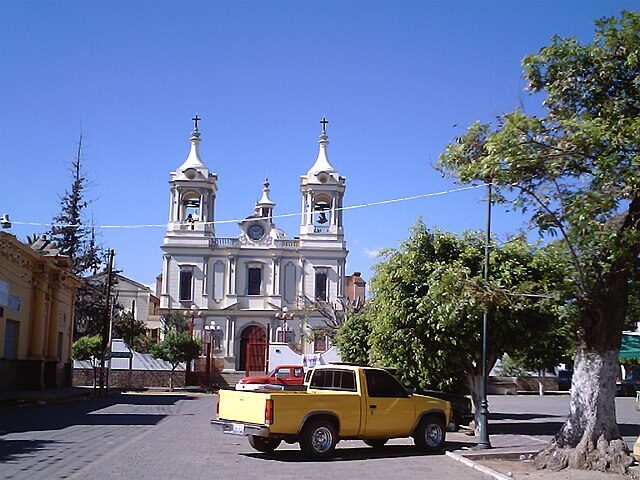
[153, 436]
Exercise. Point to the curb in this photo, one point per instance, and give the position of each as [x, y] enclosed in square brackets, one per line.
[476, 466]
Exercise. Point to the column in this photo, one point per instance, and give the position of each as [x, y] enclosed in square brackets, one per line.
[52, 321]
[232, 336]
[232, 275]
[205, 278]
[275, 287]
[303, 263]
[38, 318]
[172, 203]
[333, 210]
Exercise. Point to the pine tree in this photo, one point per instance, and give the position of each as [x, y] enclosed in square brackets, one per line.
[68, 232]
[75, 238]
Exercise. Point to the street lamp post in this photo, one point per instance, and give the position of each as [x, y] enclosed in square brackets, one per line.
[483, 440]
[192, 313]
[210, 330]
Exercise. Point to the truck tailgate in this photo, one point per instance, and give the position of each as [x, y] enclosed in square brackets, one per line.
[242, 406]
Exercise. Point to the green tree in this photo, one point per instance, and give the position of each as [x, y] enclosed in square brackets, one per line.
[131, 330]
[88, 349]
[575, 170]
[173, 322]
[175, 349]
[74, 235]
[429, 295]
[352, 339]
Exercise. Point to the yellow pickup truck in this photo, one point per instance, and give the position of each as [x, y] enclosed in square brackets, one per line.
[342, 402]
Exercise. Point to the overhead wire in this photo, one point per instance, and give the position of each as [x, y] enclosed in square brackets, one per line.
[283, 215]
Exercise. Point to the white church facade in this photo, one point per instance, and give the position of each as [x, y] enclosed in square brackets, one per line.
[245, 292]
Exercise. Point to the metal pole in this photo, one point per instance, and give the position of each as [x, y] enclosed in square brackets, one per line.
[107, 318]
[483, 440]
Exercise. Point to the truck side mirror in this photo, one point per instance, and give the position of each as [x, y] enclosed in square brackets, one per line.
[411, 390]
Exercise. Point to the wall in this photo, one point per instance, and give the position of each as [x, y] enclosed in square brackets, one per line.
[131, 379]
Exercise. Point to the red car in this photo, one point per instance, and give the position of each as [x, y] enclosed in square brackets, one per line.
[281, 375]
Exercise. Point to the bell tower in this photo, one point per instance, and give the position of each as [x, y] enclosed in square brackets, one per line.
[322, 190]
[193, 194]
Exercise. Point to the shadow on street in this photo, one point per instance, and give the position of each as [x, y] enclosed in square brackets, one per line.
[87, 412]
[521, 416]
[12, 449]
[353, 454]
[548, 428]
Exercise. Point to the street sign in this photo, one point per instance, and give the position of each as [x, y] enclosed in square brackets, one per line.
[120, 355]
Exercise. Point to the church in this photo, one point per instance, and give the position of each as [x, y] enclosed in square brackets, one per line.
[240, 294]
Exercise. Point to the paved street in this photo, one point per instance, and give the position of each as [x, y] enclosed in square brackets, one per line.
[156, 436]
[542, 417]
[169, 437]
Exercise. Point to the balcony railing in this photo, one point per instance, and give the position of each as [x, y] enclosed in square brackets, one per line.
[288, 243]
[226, 242]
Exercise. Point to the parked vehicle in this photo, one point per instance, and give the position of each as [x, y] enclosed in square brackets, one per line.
[285, 375]
[627, 387]
[564, 379]
[341, 402]
[461, 409]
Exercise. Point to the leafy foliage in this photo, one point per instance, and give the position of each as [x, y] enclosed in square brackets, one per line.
[132, 331]
[334, 315]
[575, 171]
[352, 338]
[88, 348]
[429, 296]
[176, 348]
[173, 322]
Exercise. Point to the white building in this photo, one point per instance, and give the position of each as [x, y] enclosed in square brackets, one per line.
[139, 300]
[235, 286]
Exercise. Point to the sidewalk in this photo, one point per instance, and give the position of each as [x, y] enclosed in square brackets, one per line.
[16, 398]
[519, 427]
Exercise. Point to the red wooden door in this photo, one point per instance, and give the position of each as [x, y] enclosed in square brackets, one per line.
[255, 340]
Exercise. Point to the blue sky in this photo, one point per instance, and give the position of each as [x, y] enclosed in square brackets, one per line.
[396, 80]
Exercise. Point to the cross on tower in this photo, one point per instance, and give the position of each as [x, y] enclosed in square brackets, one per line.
[324, 122]
[196, 119]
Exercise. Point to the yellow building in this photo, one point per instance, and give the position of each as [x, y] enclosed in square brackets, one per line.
[37, 293]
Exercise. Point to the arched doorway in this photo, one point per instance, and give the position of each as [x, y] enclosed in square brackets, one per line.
[253, 348]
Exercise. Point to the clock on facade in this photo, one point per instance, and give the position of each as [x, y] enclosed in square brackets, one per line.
[255, 232]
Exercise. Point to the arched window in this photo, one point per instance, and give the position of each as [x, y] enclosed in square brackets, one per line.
[321, 213]
[191, 207]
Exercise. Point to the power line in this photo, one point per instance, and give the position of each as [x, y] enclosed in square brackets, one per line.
[283, 215]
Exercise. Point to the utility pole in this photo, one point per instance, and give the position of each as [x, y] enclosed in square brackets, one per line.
[483, 440]
[107, 318]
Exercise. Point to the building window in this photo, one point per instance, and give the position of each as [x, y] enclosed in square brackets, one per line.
[11, 340]
[255, 279]
[186, 281]
[321, 286]
[319, 343]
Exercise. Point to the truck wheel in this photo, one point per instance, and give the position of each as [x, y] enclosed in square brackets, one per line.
[318, 439]
[376, 442]
[429, 435]
[264, 444]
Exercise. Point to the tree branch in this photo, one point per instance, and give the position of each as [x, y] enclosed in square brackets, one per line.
[562, 230]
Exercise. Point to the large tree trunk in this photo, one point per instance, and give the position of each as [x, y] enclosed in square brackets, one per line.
[541, 379]
[474, 382]
[589, 439]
